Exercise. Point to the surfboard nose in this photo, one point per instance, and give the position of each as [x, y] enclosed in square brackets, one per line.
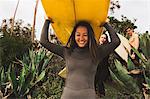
[65, 13]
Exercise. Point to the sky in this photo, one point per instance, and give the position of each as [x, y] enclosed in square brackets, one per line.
[132, 9]
[135, 9]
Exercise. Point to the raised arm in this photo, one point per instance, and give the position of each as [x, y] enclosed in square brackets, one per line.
[54, 48]
[108, 48]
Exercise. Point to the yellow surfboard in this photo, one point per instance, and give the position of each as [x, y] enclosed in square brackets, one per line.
[63, 73]
[65, 13]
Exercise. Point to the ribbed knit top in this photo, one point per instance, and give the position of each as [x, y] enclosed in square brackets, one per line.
[81, 68]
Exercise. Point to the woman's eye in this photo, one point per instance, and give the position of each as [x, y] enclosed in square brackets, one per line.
[85, 35]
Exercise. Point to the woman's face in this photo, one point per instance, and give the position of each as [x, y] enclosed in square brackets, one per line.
[102, 39]
[81, 36]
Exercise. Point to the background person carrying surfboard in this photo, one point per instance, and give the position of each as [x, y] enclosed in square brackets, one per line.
[134, 42]
[82, 55]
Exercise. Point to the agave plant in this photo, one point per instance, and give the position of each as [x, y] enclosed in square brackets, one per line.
[33, 69]
[120, 75]
[145, 63]
[144, 56]
[127, 78]
[5, 85]
[145, 44]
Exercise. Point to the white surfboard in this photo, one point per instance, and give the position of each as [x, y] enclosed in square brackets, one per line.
[124, 48]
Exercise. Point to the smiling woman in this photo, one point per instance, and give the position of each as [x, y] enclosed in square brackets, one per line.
[81, 36]
[76, 29]
[82, 55]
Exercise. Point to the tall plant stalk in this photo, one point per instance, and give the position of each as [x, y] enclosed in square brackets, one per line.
[13, 19]
[34, 21]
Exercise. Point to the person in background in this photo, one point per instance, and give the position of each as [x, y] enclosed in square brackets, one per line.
[102, 73]
[134, 42]
[103, 39]
[137, 72]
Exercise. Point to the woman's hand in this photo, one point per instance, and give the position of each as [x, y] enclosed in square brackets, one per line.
[106, 21]
[48, 18]
[133, 56]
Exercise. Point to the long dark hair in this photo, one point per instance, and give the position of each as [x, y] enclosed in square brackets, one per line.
[91, 39]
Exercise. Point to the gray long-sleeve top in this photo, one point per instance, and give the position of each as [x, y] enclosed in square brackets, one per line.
[81, 69]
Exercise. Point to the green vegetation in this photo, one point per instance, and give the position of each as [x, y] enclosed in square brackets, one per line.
[30, 71]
